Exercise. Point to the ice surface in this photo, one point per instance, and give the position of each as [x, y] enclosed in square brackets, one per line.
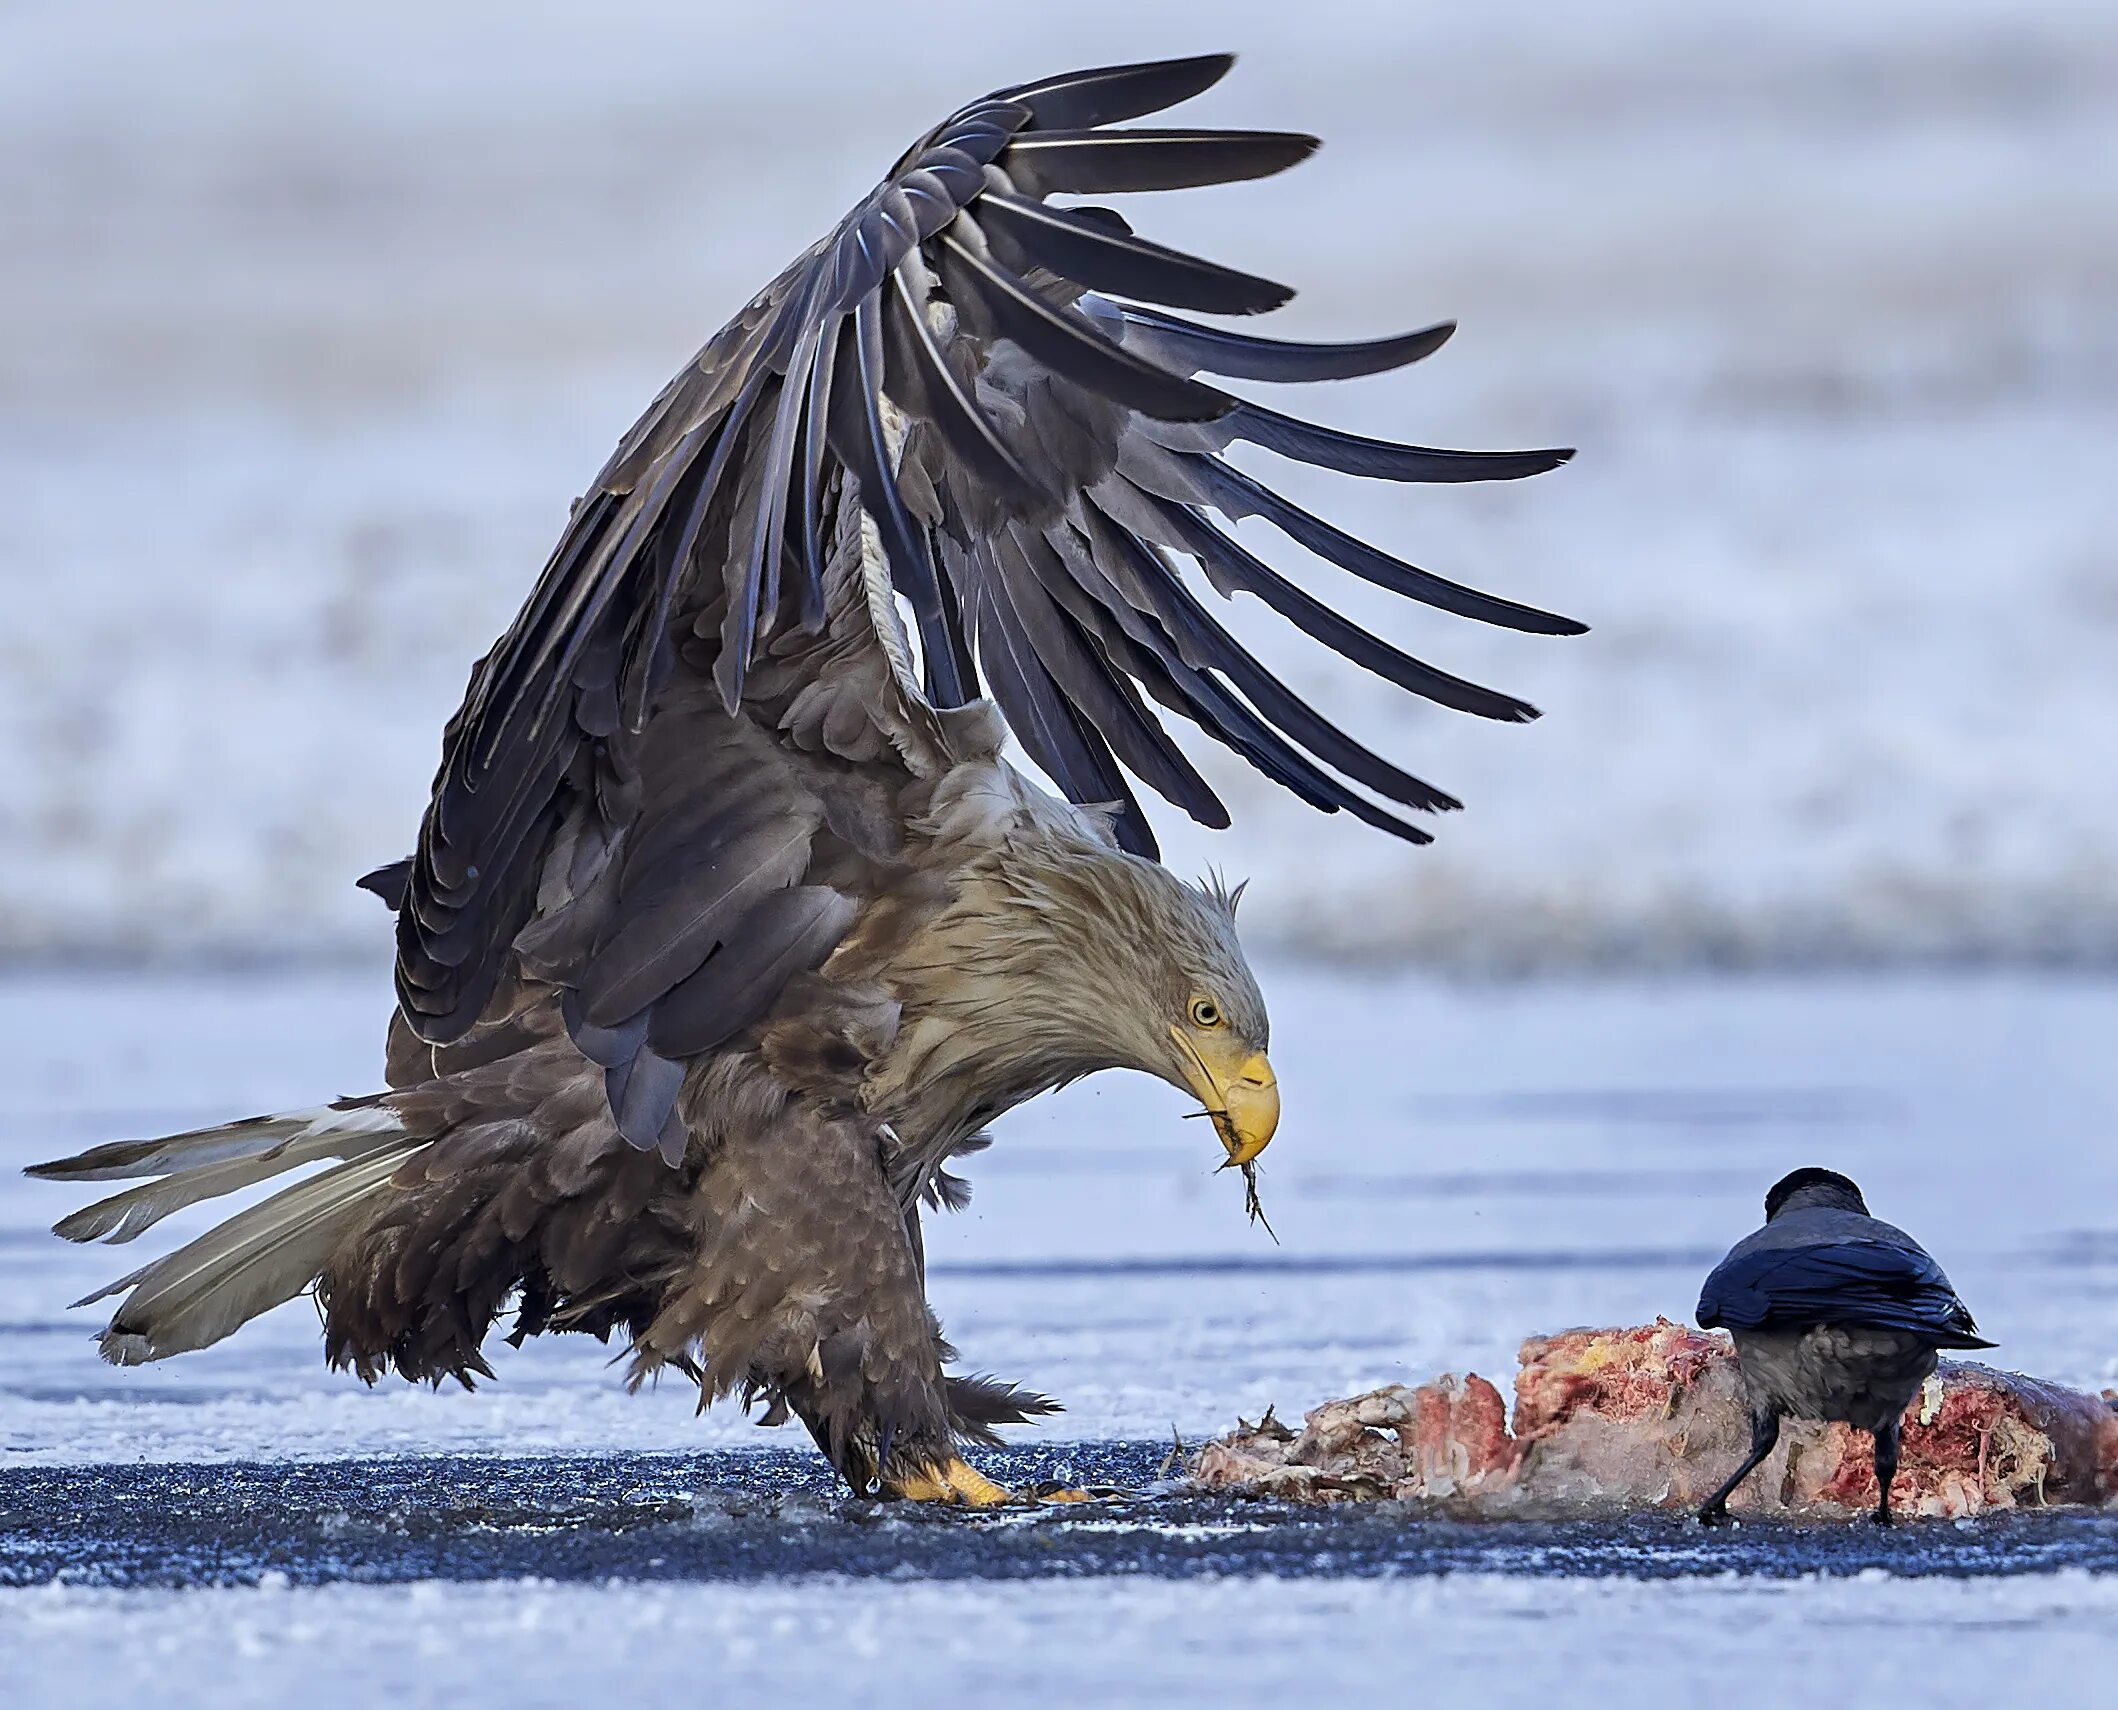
[316, 324]
[1506, 1644]
[1459, 1166]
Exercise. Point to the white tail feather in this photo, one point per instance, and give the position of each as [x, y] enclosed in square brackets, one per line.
[211, 1169]
[124, 1159]
[264, 1254]
[247, 1265]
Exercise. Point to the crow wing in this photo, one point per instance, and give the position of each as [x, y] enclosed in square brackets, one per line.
[1875, 1284]
[992, 389]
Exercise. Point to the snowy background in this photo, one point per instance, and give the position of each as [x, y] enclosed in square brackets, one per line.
[316, 320]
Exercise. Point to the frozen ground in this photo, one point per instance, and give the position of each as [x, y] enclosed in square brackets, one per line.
[316, 322]
[1504, 1643]
[1460, 1165]
[738, 1516]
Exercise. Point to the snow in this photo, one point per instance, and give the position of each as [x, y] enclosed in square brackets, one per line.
[1951, 1645]
[317, 325]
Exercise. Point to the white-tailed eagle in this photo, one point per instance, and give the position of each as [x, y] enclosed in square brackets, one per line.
[728, 923]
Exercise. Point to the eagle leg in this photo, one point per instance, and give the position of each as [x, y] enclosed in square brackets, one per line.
[805, 1281]
[897, 1460]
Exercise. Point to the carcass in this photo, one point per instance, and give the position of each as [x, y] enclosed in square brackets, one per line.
[1610, 1420]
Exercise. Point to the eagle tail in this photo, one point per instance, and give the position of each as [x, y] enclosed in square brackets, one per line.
[263, 1255]
[977, 1405]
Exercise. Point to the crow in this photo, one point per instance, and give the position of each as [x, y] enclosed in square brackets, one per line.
[1836, 1315]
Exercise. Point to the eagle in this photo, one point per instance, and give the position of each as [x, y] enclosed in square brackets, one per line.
[730, 923]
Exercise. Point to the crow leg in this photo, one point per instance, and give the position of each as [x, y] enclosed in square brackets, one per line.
[1764, 1433]
[1885, 1469]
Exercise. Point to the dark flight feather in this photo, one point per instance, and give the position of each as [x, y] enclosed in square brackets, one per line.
[1380, 459]
[1191, 348]
[1070, 345]
[1109, 163]
[815, 444]
[1189, 646]
[1107, 700]
[1235, 494]
[1111, 94]
[931, 389]
[1052, 732]
[1061, 241]
[1232, 568]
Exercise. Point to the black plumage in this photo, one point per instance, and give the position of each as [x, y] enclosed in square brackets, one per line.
[1193, 348]
[1835, 1315]
[1878, 1283]
[1050, 162]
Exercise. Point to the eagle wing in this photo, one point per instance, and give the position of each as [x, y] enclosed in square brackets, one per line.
[991, 388]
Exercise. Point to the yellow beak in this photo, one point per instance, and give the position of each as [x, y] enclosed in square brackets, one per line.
[1241, 1095]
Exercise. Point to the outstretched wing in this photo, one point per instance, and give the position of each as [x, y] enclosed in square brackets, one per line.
[1874, 1284]
[981, 372]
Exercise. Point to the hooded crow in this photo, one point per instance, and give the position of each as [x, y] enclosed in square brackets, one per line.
[1836, 1315]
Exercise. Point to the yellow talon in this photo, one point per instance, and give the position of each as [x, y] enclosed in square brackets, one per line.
[953, 1480]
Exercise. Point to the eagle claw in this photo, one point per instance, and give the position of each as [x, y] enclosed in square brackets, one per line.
[954, 1481]
[959, 1484]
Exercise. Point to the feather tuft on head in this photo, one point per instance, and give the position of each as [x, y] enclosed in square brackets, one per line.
[1213, 884]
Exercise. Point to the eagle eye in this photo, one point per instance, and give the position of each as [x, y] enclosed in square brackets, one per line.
[1205, 1013]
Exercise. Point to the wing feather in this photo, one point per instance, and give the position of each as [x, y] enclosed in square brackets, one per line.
[1061, 241]
[1038, 463]
[1875, 1284]
[1056, 736]
[1191, 348]
[1111, 94]
[1052, 162]
[1069, 344]
[1380, 459]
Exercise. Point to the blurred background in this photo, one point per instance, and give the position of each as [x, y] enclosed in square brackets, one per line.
[317, 319]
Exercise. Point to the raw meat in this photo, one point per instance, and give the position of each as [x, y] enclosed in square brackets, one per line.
[1653, 1416]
